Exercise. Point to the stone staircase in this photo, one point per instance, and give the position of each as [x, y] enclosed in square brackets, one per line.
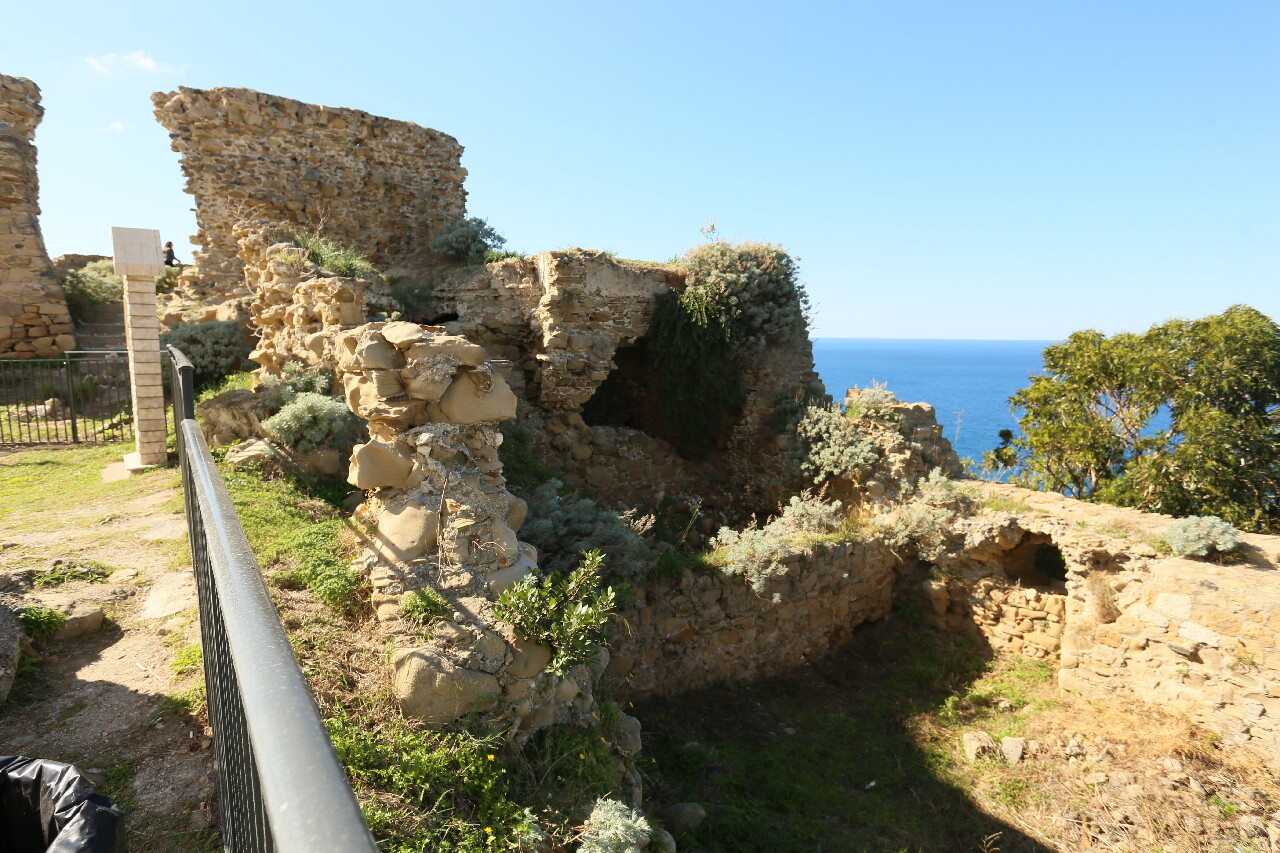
[102, 329]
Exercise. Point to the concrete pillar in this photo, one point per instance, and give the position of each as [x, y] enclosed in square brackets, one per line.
[138, 260]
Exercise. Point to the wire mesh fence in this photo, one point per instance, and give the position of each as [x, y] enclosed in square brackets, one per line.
[77, 398]
[280, 785]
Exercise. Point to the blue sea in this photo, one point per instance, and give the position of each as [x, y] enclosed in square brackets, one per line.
[968, 382]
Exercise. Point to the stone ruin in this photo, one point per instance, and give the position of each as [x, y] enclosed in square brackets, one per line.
[34, 321]
[383, 185]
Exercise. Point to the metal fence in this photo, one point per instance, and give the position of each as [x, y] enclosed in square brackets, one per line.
[79, 397]
[280, 784]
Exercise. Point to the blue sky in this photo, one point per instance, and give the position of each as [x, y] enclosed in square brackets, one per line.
[943, 170]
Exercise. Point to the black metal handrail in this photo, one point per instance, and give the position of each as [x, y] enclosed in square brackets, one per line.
[280, 784]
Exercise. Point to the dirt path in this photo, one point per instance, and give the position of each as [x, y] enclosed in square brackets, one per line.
[114, 701]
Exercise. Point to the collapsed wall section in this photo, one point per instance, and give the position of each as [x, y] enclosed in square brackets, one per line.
[34, 320]
[386, 186]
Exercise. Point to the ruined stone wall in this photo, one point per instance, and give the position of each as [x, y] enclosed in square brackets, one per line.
[569, 321]
[33, 310]
[299, 309]
[1127, 622]
[677, 635]
[382, 185]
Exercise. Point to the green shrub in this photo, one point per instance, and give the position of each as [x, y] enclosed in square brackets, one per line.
[214, 347]
[561, 526]
[329, 254]
[614, 828]
[873, 403]
[92, 285]
[925, 520]
[422, 606]
[168, 280]
[66, 570]
[1200, 536]
[738, 300]
[467, 240]
[832, 446]
[755, 553]
[750, 290]
[310, 421]
[40, 622]
[569, 614]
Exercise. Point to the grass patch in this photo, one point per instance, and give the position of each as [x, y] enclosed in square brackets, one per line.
[232, 382]
[333, 256]
[65, 571]
[187, 659]
[298, 534]
[998, 504]
[41, 488]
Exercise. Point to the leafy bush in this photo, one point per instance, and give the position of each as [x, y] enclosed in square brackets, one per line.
[1200, 536]
[329, 254]
[168, 280]
[570, 615]
[925, 520]
[614, 828]
[214, 348]
[831, 446]
[738, 300]
[873, 403]
[278, 391]
[422, 606]
[40, 622]
[310, 421]
[92, 285]
[561, 526]
[467, 240]
[756, 553]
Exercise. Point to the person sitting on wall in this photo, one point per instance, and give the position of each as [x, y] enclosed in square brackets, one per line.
[169, 259]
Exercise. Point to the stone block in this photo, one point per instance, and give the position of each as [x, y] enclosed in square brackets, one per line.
[464, 403]
[528, 658]
[457, 346]
[376, 465]
[437, 691]
[406, 532]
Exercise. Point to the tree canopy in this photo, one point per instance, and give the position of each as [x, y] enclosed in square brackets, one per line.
[1183, 419]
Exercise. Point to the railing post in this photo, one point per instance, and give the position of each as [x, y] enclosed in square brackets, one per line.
[71, 398]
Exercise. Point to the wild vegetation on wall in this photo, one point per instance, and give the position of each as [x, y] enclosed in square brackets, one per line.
[739, 300]
[1183, 419]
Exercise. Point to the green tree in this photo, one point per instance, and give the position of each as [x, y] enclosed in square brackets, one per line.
[1087, 422]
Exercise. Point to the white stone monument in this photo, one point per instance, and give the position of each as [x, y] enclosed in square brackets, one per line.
[139, 260]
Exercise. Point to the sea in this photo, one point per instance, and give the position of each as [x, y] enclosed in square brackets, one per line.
[967, 382]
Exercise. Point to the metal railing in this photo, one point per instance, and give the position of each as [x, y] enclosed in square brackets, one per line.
[76, 398]
[280, 784]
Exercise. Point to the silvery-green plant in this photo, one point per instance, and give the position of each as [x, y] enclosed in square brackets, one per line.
[832, 446]
[310, 421]
[561, 526]
[924, 521]
[614, 827]
[756, 553]
[1200, 536]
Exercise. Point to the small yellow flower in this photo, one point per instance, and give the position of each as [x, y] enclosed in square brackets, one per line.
[581, 755]
[490, 757]
[489, 829]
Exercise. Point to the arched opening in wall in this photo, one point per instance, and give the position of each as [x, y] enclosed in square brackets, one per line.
[1037, 562]
[633, 396]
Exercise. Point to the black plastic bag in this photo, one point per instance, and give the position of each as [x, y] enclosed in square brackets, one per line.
[48, 807]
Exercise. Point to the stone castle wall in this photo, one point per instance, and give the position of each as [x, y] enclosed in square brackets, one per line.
[1126, 622]
[677, 635]
[33, 310]
[383, 185]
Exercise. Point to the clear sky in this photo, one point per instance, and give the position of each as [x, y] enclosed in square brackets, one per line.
[942, 169]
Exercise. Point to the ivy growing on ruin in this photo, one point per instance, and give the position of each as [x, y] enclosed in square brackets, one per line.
[738, 301]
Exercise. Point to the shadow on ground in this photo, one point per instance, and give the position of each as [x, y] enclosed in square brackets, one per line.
[823, 758]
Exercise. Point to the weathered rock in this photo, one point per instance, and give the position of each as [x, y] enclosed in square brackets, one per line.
[528, 658]
[1012, 748]
[517, 512]
[978, 745]
[455, 346]
[402, 335]
[9, 650]
[82, 618]
[436, 691]
[629, 735]
[232, 416]
[465, 403]
[253, 452]
[405, 532]
[682, 818]
[376, 465]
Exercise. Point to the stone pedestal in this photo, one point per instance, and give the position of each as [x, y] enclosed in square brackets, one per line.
[138, 260]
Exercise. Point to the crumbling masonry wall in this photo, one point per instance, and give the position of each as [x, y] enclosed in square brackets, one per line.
[33, 310]
[1127, 622]
[386, 186]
